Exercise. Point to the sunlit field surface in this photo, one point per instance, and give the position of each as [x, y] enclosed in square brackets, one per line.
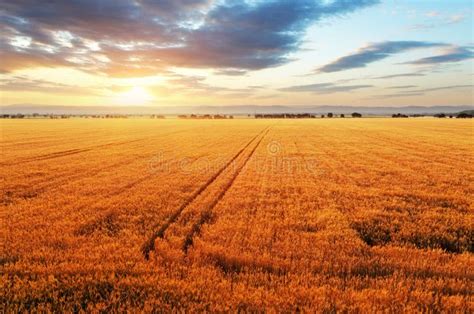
[313, 215]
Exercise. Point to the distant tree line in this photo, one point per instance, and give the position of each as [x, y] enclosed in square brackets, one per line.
[67, 116]
[399, 115]
[461, 115]
[302, 115]
[35, 116]
[285, 116]
[206, 116]
[464, 115]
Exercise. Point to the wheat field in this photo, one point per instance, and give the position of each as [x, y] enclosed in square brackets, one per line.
[322, 215]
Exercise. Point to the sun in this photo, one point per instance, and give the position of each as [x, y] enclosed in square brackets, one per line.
[135, 96]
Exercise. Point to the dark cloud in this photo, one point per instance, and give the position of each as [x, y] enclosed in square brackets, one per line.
[252, 37]
[172, 9]
[323, 88]
[141, 37]
[454, 54]
[374, 52]
[117, 20]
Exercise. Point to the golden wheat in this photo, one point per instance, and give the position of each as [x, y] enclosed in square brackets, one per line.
[312, 215]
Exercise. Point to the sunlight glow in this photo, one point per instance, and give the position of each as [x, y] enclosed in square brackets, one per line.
[135, 96]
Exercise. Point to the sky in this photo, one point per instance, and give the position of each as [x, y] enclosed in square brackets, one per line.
[229, 52]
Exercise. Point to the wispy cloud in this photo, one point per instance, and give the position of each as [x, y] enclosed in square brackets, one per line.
[323, 88]
[231, 72]
[374, 52]
[418, 92]
[25, 84]
[197, 85]
[175, 84]
[445, 88]
[442, 21]
[396, 95]
[402, 87]
[453, 54]
[399, 75]
[433, 13]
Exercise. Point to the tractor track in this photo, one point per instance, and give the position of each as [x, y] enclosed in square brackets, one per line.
[207, 214]
[149, 245]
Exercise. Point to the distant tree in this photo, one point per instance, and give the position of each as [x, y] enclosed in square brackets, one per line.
[322, 116]
[330, 115]
[464, 115]
[342, 115]
[399, 115]
[440, 115]
[356, 115]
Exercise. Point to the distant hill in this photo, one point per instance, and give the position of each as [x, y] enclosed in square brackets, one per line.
[235, 110]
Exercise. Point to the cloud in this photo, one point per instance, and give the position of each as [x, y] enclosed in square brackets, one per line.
[323, 88]
[177, 84]
[408, 94]
[433, 14]
[231, 72]
[146, 37]
[267, 96]
[402, 87]
[454, 54]
[442, 21]
[194, 84]
[22, 83]
[398, 75]
[418, 92]
[445, 88]
[374, 52]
